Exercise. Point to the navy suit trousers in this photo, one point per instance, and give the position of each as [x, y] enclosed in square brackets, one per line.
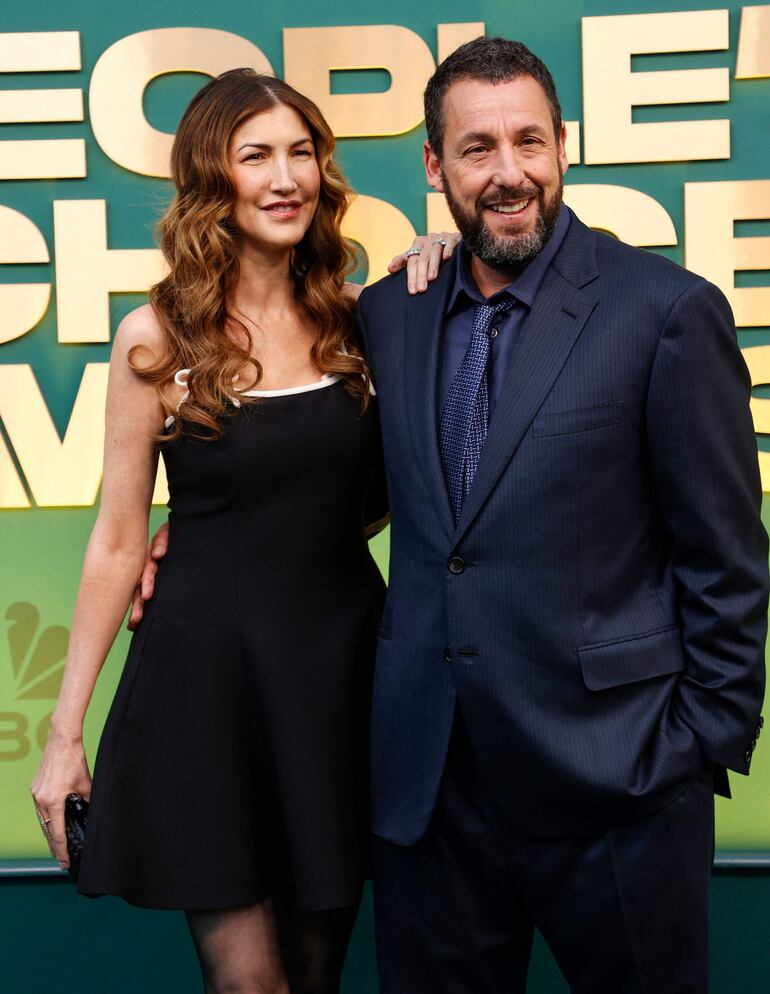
[624, 911]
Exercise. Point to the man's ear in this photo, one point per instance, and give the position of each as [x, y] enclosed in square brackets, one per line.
[432, 168]
[562, 151]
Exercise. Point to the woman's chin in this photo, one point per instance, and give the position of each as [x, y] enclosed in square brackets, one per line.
[274, 242]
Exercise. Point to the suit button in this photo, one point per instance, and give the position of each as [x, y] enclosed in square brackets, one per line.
[747, 755]
[447, 656]
[456, 565]
[761, 722]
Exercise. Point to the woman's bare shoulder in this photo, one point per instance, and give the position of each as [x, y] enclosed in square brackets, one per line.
[352, 290]
[140, 327]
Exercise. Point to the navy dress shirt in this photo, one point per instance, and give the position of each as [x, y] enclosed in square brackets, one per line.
[458, 320]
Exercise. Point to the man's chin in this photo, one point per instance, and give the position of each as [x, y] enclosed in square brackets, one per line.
[508, 252]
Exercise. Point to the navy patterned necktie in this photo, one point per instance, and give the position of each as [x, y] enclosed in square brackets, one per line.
[465, 418]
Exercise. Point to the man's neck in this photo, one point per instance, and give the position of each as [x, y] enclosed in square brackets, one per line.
[490, 280]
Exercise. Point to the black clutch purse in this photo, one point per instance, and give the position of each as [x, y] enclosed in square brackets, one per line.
[75, 818]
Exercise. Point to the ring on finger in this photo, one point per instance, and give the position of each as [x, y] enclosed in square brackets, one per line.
[439, 241]
[44, 823]
[413, 251]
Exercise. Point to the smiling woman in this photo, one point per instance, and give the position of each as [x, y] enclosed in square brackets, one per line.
[276, 181]
[258, 190]
[231, 778]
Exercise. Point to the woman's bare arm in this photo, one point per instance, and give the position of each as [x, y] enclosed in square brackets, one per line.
[112, 564]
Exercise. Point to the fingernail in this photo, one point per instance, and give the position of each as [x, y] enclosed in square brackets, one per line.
[411, 288]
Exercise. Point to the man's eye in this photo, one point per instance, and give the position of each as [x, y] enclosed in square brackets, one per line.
[476, 150]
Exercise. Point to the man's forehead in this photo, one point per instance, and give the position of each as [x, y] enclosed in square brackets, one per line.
[470, 97]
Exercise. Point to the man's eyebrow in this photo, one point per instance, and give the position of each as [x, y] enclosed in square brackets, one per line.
[486, 138]
[266, 147]
[472, 137]
[535, 129]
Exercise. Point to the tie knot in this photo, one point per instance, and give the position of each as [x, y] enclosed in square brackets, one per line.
[484, 314]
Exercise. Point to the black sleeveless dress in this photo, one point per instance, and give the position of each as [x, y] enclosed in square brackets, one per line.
[234, 757]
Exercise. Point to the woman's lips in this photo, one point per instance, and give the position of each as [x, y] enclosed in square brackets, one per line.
[283, 209]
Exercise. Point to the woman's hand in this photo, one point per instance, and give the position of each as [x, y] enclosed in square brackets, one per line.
[63, 770]
[424, 258]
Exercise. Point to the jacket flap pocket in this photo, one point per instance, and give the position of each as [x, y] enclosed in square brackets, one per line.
[583, 419]
[612, 664]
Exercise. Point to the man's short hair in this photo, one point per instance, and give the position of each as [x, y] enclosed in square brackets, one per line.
[491, 60]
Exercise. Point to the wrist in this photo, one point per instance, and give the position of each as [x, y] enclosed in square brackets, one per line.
[66, 731]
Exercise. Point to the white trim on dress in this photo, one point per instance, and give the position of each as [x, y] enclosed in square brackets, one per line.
[326, 381]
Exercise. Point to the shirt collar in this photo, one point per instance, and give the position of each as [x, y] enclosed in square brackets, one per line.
[524, 288]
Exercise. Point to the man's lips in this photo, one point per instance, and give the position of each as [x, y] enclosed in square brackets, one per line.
[509, 208]
[282, 208]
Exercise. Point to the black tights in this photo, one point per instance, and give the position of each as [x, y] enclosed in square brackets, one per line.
[314, 945]
[261, 950]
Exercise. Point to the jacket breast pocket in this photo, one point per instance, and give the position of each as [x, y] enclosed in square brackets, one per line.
[603, 416]
[612, 664]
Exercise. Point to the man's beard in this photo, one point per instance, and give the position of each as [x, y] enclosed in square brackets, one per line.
[510, 253]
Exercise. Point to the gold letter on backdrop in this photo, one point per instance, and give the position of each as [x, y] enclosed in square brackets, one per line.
[87, 272]
[438, 216]
[22, 305]
[713, 251]
[753, 60]
[380, 229]
[59, 473]
[122, 73]
[611, 90]
[54, 158]
[12, 492]
[758, 360]
[451, 36]
[630, 215]
[310, 55]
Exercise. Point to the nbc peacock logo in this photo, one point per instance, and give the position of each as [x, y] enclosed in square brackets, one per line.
[36, 655]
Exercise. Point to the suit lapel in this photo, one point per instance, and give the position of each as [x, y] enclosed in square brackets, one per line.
[558, 315]
[423, 337]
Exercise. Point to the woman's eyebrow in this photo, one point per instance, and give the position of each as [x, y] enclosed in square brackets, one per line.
[266, 146]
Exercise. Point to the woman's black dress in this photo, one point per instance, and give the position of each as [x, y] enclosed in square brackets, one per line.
[233, 761]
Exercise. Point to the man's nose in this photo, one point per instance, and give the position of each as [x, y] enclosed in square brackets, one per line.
[508, 170]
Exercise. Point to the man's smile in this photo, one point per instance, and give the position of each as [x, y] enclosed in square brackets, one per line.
[509, 207]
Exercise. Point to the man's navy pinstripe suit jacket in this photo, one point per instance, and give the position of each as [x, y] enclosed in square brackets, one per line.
[603, 622]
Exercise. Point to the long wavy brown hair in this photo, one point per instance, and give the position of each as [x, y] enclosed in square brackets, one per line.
[200, 245]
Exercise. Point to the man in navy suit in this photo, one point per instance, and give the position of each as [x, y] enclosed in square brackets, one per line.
[571, 653]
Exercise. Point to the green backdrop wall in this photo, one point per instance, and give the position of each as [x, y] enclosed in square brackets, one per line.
[54, 941]
[41, 547]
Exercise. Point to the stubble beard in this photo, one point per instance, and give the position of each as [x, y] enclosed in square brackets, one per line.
[509, 253]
